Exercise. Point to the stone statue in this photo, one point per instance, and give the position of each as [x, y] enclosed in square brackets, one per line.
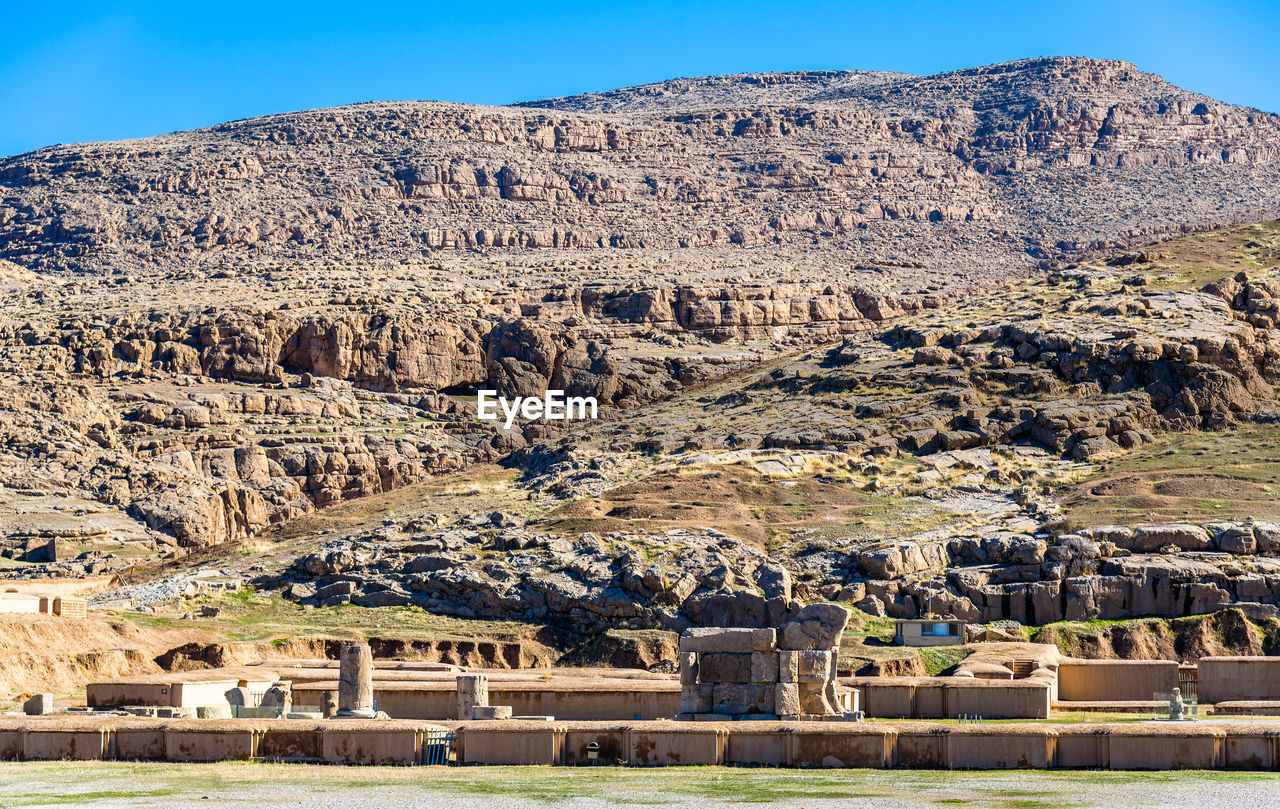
[1176, 705]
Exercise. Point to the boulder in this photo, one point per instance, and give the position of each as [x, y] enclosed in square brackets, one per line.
[1153, 537]
[1267, 537]
[814, 627]
[774, 581]
[1233, 538]
[383, 598]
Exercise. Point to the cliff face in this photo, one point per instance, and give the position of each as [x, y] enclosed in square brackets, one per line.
[972, 173]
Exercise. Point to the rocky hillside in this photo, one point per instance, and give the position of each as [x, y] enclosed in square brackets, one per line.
[770, 282]
[911, 468]
[972, 173]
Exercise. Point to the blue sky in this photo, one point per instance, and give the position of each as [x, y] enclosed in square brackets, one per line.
[105, 70]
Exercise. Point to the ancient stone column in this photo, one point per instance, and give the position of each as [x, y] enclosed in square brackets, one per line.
[355, 681]
[473, 690]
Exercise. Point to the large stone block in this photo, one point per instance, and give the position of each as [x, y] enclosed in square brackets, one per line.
[1267, 538]
[64, 744]
[137, 743]
[287, 741]
[1234, 538]
[38, 705]
[786, 699]
[688, 667]
[192, 742]
[805, 666]
[835, 746]
[764, 667]
[813, 699]
[724, 667]
[732, 641]
[1188, 537]
[341, 744]
[815, 627]
[739, 698]
[660, 747]
[788, 667]
[495, 744]
[734, 610]
[695, 698]
[486, 712]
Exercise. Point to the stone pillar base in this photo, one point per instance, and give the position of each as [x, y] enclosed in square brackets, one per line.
[356, 714]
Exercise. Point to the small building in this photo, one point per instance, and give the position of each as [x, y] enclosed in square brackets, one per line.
[929, 632]
[69, 607]
[35, 604]
[21, 603]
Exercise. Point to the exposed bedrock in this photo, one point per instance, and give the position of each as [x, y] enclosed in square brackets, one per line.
[208, 426]
[1103, 572]
[1094, 374]
[562, 336]
[1007, 164]
[703, 578]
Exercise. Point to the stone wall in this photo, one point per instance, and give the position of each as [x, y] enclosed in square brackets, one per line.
[789, 672]
[952, 698]
[1200, 746]
[1116, 680]
[1224, 679]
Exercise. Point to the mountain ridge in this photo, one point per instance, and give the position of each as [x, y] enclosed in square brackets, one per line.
[970, 168]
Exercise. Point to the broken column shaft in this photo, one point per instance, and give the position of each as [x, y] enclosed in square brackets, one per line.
[473, 690]
[355, 681]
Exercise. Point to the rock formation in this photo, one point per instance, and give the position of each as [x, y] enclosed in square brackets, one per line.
[1002, 165]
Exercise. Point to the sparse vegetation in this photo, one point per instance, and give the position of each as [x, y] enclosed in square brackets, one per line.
[1228, 475]
[85, 783]
[250, 616]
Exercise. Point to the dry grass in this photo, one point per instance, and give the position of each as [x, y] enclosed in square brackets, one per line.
[1230, 475]
[251, 616]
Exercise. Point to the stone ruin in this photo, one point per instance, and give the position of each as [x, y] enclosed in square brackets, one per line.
[355, 682]
[355, 690]
[472, 699]
[783, 673]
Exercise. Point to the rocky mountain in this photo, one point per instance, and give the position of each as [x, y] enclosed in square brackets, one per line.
[912, 469]
[975, 173]
[770, 282]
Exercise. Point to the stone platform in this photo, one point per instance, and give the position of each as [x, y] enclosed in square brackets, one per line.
[563, 698]
[925, 745]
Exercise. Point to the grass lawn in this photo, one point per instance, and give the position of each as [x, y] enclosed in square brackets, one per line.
[245, 783]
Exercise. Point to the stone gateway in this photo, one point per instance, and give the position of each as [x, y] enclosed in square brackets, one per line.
[783, 673]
